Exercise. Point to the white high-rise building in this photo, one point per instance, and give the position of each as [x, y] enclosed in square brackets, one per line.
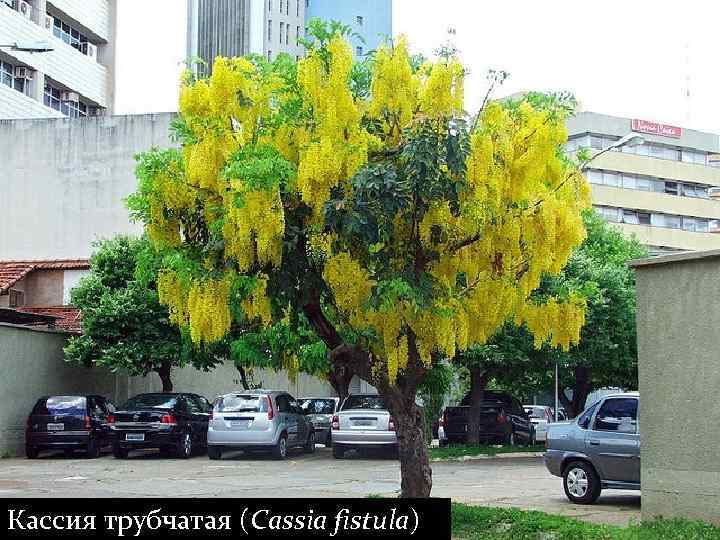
[75, 78]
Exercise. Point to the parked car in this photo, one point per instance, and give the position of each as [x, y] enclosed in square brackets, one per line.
[319, 411]
[600, 450]
[69, 423]
[363, 422]
[175, 423]
[259, 420]
[540, 416]
[502, 420]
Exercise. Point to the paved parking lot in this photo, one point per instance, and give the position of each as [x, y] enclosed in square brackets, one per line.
[516, 482]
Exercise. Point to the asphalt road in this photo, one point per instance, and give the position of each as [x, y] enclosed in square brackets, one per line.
[509, 482]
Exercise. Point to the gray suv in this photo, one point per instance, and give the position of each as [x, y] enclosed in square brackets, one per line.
[258, 420]
[600, 450]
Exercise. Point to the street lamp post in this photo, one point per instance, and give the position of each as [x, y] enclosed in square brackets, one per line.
[630, 140]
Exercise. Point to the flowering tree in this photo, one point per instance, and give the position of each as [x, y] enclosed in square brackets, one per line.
[374, 212]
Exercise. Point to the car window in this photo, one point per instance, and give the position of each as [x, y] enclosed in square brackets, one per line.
[95, 407]
[241, 403]
[364, 402]
[317, 406]
[59, 405]
[617, 414]
[194, 406]
[283, 404]
[151, 401]
[584, 420]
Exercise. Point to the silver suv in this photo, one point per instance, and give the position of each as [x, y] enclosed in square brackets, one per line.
[362, 422]
[258, 420]
[600, 450]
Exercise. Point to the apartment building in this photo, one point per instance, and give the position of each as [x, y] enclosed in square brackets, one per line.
[241, 27]
[662, 191]
[74, 79]
[370, 20]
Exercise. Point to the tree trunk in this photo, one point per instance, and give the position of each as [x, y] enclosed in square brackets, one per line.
[415, 471]
[164, 372]
[581, 390]
[339, 378]
[478, 382]
[243, 377]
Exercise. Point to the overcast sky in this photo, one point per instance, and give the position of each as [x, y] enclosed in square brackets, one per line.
[635, 58]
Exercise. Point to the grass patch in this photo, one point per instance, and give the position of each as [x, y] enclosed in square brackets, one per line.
[480, 523]
[458, 451]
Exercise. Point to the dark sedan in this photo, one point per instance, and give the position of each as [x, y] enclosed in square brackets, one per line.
[68, 423]
[175, 423]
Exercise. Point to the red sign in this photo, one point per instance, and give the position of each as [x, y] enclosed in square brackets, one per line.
[653, 128]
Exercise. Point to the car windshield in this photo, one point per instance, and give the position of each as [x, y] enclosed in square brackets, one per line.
[151, 401]
[57, 405]
[364, 402]
[317, 406]
[535, 412]
[241, 403]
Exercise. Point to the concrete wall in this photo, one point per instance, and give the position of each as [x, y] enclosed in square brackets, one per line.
[678, 312]
[65, 182]
[33, 366]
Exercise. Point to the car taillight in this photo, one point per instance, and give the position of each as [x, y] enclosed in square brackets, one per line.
[111, 419]
[335, 422]
[501, 418]
[167, 419]
[88, 423]
[391, 424]
[271, 412]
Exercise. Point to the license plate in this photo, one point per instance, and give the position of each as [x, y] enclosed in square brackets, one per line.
[56, 427]
[363, 422]
[240, 423]
[135, 437]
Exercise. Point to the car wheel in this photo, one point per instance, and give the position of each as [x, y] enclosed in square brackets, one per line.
[280, 449]
[93, 449]
[184, 446]
[310, 444]
[214, 452]
[338, 452]
[581, 483]
[119, 452]
[328, 440]
[31, 452]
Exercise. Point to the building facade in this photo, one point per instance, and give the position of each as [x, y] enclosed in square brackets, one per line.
[241, 27]
[76, 78]
[663, 190]
[370, 20]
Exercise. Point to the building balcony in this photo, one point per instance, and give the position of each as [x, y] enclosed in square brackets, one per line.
[66, 65]
[655, 202]
[92, 15]
[659, 168]
[671, 238]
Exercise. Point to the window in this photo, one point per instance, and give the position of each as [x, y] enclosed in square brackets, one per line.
[630, 217]
[584, 420]
[617, 414]
[297, 8]
[671, 188]
[643, 218]
[269, 56]
[242, 403]
[611, 179]
[55, 98]
[364, 402]
[297, 38]
[16, 298]
[59, 405]
[282, 31]
[269, 32]
[317, 406]
[70, 35]
[360, 20]
[269, 5]
[358, 51]
[283, 404]
[287, 34]
[151, 401]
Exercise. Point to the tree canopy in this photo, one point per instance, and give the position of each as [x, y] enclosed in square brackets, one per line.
[368, 205]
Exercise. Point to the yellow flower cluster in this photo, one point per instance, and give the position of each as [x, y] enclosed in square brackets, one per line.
[394, 90]
[443, 93]
[350, 284]
[254, 231]
[257, 305]
[174, 295]
[558, 324]
[337, 146]
[209, 310]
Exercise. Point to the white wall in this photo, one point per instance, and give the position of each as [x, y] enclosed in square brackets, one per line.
[71, 279]
[65, 181]
[14, 104]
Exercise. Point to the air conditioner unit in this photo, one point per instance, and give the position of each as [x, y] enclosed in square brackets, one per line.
[49, 23]
[23, 73]
[24, 9]
[70, 96]
[89, 49]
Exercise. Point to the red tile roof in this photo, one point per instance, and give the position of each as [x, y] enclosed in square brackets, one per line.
[13, 271]
[68, 317]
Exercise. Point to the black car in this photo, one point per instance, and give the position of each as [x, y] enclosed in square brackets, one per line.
[502, 420]
[69, 423]
[177, 424]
